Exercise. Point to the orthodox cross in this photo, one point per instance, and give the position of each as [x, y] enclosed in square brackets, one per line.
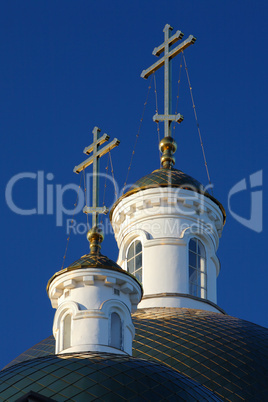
[169, 54]
[95, 210]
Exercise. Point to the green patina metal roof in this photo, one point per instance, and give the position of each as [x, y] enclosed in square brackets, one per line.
[99, 376]
[227, 355]
[169, 178]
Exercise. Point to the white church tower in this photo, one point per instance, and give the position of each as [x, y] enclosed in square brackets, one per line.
[167, 226]
[94, 297]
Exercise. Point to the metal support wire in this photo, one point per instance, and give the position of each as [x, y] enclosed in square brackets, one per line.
[85, 191]
[178, 95]
[197, 124]
[138, 134]
[105, 186]
[156, 110]
[68, 238]
[112, 171]
[109, 159]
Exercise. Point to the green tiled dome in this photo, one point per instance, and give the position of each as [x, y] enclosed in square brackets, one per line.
[169, 178]
[102, 377]
[227, 355]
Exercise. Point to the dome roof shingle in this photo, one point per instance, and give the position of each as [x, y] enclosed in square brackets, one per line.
[169, 178]
[99, 376]
[227, 355]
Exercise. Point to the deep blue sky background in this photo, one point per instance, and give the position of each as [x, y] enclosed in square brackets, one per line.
[67, 66]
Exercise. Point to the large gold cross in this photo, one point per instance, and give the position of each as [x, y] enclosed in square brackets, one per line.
[169, 54]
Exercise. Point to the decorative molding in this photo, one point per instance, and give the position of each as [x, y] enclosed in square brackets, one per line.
[210, 241]
[134, 234]
[113, 305]
[150, 199]
[116, 306]
[217, 263]
[93, 347]
[66, 307]
[185, 295]
[165, 241]
[87, 277]
[89, 314]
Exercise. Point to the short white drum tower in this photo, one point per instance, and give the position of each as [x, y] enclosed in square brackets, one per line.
[94, 299]
[167, 229]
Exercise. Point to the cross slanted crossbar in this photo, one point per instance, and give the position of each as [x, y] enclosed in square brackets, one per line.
[165, 61]
[95, 210]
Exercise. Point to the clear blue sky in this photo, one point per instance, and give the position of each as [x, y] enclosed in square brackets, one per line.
[67, 66]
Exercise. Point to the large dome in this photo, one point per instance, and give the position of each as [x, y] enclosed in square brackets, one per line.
[227, 355]
[102, 377]
[169, 178]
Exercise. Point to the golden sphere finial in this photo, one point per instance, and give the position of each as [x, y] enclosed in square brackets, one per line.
[168, 147]
[95, 237]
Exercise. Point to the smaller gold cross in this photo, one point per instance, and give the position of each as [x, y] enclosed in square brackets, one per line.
[97, 153]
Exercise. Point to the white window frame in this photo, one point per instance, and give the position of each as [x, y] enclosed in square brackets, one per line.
[137, 240]
[62, 330]
[111, 329]
[198, 287]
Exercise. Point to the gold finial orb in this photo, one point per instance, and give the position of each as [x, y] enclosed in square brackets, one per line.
[95, 237]
[168, 147]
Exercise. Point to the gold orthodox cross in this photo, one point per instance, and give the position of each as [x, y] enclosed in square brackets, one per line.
[97, 153]
[165, 61]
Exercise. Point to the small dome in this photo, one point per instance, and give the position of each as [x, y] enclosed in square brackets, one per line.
[92, 260]
[169, 178]
[99, 376]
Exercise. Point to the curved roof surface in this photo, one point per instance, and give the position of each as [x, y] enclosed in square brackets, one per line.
[93, 261]
[102, 377]
[227, 355]
[169, 178]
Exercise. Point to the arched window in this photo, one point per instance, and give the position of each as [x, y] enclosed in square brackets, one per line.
[197, 269]
[66, 331]
[134, 259]
[116, 331]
